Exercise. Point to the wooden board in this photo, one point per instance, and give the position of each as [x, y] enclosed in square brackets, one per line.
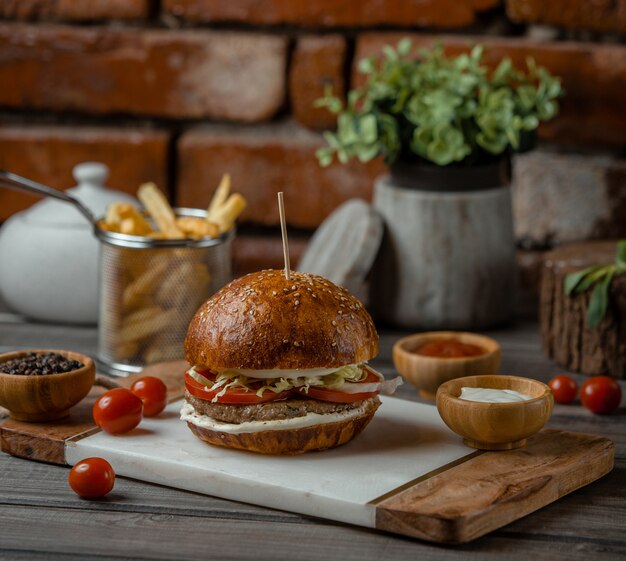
[495, 488]
[455, 500]
[45, 442]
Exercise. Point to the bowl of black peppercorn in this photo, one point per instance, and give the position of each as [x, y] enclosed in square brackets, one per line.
[42, 385]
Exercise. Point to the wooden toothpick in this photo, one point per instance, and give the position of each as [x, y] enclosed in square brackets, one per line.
[283, 229]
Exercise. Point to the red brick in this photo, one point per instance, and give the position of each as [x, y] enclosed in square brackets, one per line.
[329, 13]
[187, 74]
[74, 10]
[318, 61]
[255, 252]
[263, 160]
[599, 15]
[48, 154]
[593, 75]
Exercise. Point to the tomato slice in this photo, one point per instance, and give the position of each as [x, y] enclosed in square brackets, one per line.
[338, 396]
[233, 396]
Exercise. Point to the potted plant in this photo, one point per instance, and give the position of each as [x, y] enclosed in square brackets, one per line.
[446, 127]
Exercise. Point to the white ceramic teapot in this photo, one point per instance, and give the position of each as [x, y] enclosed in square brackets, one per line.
[49, 255]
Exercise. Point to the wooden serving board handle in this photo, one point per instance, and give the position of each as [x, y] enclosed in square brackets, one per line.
[45, 442]
[493, 489]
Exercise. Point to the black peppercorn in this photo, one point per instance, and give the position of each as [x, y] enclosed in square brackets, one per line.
[33, 364]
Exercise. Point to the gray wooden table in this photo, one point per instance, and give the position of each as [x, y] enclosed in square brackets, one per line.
[40, 518]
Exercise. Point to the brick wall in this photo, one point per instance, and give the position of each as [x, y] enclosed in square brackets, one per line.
[180, 91]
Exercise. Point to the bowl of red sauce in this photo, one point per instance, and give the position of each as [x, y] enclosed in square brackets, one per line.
[429, 359]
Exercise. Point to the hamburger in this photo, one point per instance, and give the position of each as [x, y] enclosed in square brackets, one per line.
[280, 365]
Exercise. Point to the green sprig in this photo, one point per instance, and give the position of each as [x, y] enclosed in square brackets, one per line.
[600, 277]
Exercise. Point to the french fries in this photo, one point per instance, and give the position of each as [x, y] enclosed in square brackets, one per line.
[219, 197]
[162, 213]
[124, 218]
[223, 209]
[154, 292]
[222, 213]
[197, 228]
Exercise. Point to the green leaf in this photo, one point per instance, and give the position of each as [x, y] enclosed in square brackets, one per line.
[324, 156]
[573, 279]
[620, 257]
[369, 129]
[599, 301]
[367, 65]
[404, 46]
[367, 153]
[390, 54]
[594, 276]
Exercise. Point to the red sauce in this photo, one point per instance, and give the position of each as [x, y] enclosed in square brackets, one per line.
[449, 348]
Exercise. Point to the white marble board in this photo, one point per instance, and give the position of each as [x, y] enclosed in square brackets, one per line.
[404, 441]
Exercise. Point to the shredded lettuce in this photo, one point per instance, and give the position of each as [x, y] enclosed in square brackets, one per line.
[229, 379]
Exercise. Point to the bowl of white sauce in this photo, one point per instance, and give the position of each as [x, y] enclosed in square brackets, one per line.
[495, 412]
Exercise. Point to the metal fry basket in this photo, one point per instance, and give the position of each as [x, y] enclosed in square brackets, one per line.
[149, 291]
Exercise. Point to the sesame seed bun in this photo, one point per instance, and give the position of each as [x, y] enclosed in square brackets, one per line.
[264, 321]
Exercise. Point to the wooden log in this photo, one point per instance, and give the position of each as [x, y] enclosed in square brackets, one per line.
[566, 335]
[447, 259]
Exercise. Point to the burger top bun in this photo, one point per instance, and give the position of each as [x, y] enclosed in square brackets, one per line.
[264, 321]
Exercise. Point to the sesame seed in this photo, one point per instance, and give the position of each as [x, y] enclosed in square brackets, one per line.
[334, 322]
[296, 303]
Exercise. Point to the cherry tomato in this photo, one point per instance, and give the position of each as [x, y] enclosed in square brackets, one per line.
[601, 394]
[237, 395]
[91, 478]
[153, 393]
[564, 388]
[118, 411]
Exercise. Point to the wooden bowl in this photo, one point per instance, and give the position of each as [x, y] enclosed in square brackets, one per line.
[428, 373]
[47, 397]
[495, 426]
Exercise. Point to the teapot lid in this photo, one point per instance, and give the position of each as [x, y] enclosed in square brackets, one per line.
[91, 191]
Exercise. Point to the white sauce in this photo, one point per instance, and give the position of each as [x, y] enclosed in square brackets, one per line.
[188, 413]
[490, 395]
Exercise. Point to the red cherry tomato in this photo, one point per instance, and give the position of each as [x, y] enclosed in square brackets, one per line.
[118, 411]
[601, 394]
[91, 478]
[564, 388]
[153, 393]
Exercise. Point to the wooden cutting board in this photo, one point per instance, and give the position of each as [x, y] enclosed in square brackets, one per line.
[406, 473]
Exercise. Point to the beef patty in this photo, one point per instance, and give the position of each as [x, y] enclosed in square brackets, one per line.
[274, 410]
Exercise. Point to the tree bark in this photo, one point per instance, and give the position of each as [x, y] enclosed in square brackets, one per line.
[566, 336]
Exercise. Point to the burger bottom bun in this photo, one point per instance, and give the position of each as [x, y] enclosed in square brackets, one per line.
[290, 441]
